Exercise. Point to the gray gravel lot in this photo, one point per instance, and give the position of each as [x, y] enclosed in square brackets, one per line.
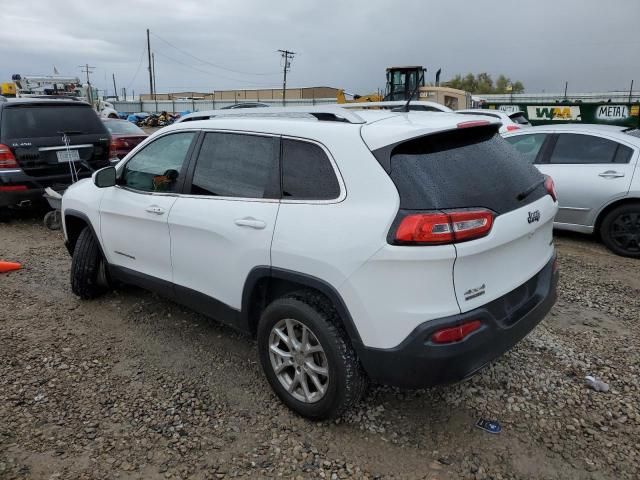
[133, 386]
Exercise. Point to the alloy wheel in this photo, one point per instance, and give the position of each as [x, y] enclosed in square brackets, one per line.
[298, 360]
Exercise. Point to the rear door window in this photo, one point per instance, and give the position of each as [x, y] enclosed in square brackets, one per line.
[50, 121]
[237, 165]
[575, 148]
[159, 165]
[307, 173]
[528, 145]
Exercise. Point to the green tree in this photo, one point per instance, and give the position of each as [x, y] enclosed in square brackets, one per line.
[483, 83]
[502, 84]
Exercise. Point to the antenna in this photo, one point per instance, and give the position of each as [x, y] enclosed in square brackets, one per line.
[415, 90]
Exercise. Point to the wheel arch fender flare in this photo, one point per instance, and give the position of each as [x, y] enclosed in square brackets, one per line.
[602, 213]
[301, 280]
[70, 212]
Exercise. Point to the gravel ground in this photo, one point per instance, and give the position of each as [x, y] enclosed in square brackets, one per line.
[133, 386]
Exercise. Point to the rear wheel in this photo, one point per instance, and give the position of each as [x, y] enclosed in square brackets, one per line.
[88, 268]
[307, 357]
[620, 230]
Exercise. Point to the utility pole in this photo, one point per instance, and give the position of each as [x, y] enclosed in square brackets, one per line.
[566, 85]
[115, 90]
[87, 69]
[153, 68]
[124, 93]
[149, 66]
[286, 55]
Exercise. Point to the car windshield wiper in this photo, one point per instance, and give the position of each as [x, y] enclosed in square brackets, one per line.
[522, 195]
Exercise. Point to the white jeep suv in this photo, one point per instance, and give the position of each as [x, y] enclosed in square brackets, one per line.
[408, 249]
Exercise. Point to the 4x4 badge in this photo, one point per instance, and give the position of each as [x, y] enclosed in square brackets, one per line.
[534, 216]
[474, 292]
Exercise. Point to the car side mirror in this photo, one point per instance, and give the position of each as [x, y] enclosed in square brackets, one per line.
[105, 177]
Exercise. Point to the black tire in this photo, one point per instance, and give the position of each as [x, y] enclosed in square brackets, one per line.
[347, 381]
[87, 267]
[53, 220]
[5, 214]
[620, 230]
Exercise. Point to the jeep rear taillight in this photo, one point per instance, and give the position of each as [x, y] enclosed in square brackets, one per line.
[439, 228]
[551, 187]
[7, 160]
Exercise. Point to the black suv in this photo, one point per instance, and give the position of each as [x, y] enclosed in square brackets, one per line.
[38, 140]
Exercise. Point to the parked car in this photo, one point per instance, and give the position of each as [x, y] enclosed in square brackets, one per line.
[410, 249]
[34, 154]
[125, 136]
[511, 121]
[594, 169]
[246, 105]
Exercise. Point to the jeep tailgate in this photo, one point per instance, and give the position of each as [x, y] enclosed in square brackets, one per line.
[519, 245]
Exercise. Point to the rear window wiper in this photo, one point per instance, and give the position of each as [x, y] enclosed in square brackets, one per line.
[522, 195]
[71, 132]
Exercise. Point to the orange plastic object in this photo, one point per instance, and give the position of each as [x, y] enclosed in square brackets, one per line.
[9, 266]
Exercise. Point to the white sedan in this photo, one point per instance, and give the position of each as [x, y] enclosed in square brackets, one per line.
[511, 121]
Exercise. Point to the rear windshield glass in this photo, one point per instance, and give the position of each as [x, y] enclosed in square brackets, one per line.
[123, 127]
[519, 118]
[463, 168]
[50, 121]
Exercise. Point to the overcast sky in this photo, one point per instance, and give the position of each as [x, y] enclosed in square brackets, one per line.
[592, 44]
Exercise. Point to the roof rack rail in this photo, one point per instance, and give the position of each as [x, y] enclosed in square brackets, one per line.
[393, 104]
[328, 113]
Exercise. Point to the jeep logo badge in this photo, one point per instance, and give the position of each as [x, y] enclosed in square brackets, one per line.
[534, 216]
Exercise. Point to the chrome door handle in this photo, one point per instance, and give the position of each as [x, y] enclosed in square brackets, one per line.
[251, 223]
[611, 174]
[155, 209]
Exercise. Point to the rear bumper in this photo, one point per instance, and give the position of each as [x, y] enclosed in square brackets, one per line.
[418, 362]
[35, 186]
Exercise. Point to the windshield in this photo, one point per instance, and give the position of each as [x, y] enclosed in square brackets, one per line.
[50, 121]
[123, 127]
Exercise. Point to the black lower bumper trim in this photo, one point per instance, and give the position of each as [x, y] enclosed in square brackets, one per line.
[418, 362]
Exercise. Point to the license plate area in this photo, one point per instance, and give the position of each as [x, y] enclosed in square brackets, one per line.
[66, 156]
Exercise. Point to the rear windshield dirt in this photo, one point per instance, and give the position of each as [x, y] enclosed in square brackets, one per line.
[464, 168]
[50, 121]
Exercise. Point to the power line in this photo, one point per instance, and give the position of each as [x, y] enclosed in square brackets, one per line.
[87, 70]
[135, 75]
[184, 52]
[286, 56]
[162, 54]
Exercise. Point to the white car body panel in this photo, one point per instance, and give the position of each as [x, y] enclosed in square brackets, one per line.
[513, 252]
[134, 231]
[397, 289]
[83, 197]
[213, 250]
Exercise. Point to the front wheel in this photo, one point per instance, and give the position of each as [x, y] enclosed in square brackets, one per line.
[307, 357]
[620, 230]
[88, 269]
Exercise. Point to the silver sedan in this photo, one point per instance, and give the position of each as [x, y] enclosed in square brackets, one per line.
[594, 170]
